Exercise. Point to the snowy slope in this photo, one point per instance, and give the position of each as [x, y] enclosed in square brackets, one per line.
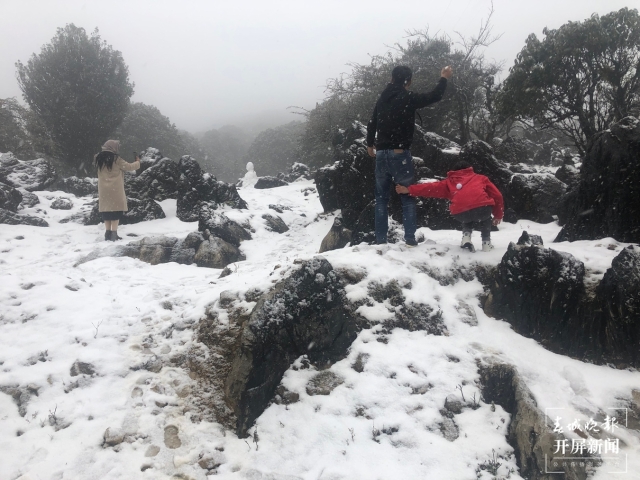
[133, 321]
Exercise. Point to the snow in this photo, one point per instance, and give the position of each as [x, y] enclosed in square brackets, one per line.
[130, 320]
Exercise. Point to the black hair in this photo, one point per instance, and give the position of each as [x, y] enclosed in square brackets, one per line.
[105, 159]
[461, 165]
[401, 75]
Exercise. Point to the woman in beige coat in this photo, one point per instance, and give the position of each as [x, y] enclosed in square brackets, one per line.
[112, 201]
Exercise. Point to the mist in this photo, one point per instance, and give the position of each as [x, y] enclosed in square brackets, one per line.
[208, 64]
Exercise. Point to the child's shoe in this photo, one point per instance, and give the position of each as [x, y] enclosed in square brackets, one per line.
[486, 246]
[466, 242]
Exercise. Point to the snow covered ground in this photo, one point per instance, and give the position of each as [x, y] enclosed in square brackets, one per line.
[131, 320]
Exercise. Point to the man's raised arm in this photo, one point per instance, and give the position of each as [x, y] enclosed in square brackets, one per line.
[423, 99]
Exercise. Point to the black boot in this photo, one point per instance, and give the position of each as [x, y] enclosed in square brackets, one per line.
[114, 236]
[107, 235]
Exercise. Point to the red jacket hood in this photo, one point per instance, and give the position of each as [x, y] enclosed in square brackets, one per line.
[461, 176]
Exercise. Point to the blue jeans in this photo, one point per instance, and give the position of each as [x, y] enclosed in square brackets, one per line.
[394, 168]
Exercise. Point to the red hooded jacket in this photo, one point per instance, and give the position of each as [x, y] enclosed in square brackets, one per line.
[465, 189]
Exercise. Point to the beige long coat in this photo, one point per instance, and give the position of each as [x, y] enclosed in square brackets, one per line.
[111, 196]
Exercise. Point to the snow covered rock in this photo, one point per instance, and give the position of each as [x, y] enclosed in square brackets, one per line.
[517, 150]
[530, 434]
[568, 174]
[196, 188]
[10, 218]
[606, 201]
[10, 198]
[31, 175]
[274, 223]
[542, 293]
[28, 199]
[149, 157]
[436, 155]
[269, 182]
[304, 314]
[62, 203]
[297, 171]
[535, 197]
[538, 290]
[216, 253]
[219, 225]
[157, 182]
[80, 187]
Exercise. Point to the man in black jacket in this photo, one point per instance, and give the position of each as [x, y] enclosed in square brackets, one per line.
[393, 121]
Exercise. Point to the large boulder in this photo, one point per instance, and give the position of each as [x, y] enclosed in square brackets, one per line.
[542, 293]
[517, 150]
[304, 314]
[148, 158]
[219, 225]
[10, 198]
[80, 187]
[216, 253]
[29, 199]
[196, 188]
[437, 153]
[157, 182]
[612, 317]
[269, 182]
[31, 175]
[535, 196]
[569, 174]
[295, 172]
[606, 202]
[10, 218]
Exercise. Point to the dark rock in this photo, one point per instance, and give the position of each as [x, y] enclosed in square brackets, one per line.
[253, 294]
[153, 250]
[323, 383]
[221, 226]
[535, 197]
[87, 215]
[28, 199]
[62, 203]
[537, 290]
[80, 187]
[296, 171]
[157, 182]
[606, 202]
[216, 253]
[610, 320]
[453, 404]
[226, 271]
[542, 294]
[304, 314]
[526, 239]
[10, 198]
[279, 208]
[274, 223]
[81, 368]
[517, 150]
[522, 168]
[196, 188]
[338, 236]
[436, 155]
[530, 433]
[569, 175]
[227, 298]
[286, 397]
[349, 183]
[148, 158]
[365, 226]
[10, 218]
[269, 182]
[31, 175]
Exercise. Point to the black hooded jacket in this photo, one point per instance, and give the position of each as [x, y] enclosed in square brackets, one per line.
[394, 115]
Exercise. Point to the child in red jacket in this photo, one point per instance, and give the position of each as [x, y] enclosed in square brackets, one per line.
[473, 199]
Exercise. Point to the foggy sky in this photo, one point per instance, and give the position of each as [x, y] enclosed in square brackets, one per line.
[209, 63]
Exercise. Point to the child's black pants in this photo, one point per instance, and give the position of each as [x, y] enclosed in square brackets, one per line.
[479, 217]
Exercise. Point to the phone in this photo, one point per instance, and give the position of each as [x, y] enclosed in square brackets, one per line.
[135, 155]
